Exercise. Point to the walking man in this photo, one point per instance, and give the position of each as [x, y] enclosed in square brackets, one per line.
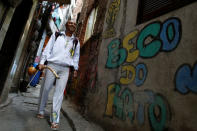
[62, 53]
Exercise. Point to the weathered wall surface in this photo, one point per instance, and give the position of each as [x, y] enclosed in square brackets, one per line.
[14, 69]
[147, 74]
[82, 88]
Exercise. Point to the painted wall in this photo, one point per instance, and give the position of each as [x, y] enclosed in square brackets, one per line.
[147, 74]
[85, 84]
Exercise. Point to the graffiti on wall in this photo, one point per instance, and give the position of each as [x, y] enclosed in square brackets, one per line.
[146, 43]
[152, 39]
[86, 81]
[92, 76]
[111, 18]
[116, 55]
[133, 74]
[121, 104]
[88, 66]
[165, 37]
[160, 37]
[186, 79]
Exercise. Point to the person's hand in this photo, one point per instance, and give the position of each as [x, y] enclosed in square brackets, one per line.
[40, 67]
[75, 74]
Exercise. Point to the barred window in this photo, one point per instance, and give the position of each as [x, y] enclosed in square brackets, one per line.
[149, 9]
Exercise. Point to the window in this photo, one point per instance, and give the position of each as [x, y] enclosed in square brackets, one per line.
[90, 24]
[149, 9]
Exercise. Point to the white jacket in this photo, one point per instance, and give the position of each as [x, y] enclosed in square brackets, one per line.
[58, 51]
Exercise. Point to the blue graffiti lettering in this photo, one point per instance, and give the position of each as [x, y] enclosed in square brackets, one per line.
[139, 81]
[186, 79]
[170, 34]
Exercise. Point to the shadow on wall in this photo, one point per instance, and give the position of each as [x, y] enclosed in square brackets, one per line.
[12, 37]
[87, 78]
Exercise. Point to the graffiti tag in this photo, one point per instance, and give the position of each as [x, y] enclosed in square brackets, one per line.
[121, 105]
[110, 19]
[186, 79]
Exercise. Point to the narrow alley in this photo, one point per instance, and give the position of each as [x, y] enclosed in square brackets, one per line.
[19, 114]
[98, 65]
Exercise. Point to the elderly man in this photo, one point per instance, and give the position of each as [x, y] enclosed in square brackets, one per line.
[62, 52]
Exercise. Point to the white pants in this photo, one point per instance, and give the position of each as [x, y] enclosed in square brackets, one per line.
[58, 95]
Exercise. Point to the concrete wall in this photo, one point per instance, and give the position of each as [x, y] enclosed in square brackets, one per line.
[7, 9]
[87, 73]
[13, 69]
[82, 22]
[2, 9]
[5, 18]
[146, 83]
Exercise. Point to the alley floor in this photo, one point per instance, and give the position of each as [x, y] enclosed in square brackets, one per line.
[20, 114]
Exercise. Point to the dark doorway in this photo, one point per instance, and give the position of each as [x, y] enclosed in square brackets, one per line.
[12, 37]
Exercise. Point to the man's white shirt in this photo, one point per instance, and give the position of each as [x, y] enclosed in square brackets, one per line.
[59, 51]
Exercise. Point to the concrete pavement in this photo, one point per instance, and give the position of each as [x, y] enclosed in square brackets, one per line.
[20, 114]
[80, 124]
